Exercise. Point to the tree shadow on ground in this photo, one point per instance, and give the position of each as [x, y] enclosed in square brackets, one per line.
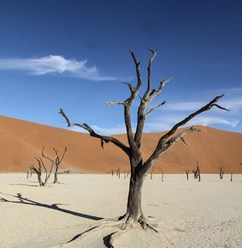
[23, 184]
[55, 206]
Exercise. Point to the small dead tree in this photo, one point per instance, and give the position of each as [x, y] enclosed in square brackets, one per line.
[41, 165]
[162, 176]
[138, 166]
[38, 171]
[221, 172]
[187, 174]
[231, 177]
[196, 173]
[118, 172]
[58, 160]
[29, 171]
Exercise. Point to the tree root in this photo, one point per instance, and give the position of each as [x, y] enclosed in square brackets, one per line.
[129, 223]
[122, 223]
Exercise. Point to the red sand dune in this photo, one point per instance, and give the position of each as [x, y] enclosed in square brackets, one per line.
[21, 141]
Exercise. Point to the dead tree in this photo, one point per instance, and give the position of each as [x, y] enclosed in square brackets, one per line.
[138, 166]
[187, 174]
[29, 171]
[38, 171]
[52, 162]
[58, 161]
[162, 176]
[221, 172]
[231, 177]
[196, 173]
[42, 165]
[118, 172]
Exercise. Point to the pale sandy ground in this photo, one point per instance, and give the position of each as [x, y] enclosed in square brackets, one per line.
[189, 213]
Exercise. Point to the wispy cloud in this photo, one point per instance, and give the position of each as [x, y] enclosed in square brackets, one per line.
[184, 106]
[172, 113]
[168, 121]
[54, 64]
[164, 125]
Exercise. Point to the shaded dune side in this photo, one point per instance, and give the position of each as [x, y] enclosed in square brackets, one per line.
[21, 141]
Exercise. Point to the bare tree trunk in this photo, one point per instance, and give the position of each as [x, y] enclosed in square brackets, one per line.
[38, 172]
[197, 173]
[58, 161]
[231, 177]
[221, 172]
[134, 211]
[118, 172]
[39, 179]
[162, 176]
[55, 174]
[187, 174]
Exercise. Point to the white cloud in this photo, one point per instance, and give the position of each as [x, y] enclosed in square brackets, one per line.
[54, 64]
[184, 106]
[211, 120]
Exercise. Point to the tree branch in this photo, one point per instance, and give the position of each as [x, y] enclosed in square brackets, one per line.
[156, 107]
[44, 156]
[57, 155]
[109, 103]
[106, 139]
[156, 92]
[141, 111]
[191, 116]
[137, 67]
[180, 136]
[130, 87]
[164, 146]
[153, 55]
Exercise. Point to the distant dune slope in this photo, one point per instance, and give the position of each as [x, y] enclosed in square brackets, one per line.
[21, 141]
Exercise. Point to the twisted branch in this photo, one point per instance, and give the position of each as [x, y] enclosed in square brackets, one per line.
[105, 139]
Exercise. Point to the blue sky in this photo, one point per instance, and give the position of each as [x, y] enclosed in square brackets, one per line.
[75, 55]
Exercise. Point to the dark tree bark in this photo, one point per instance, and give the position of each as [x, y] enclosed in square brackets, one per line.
[58, 161]
[196, 172]
[118, 172]
[187, 174]
[139, 167]
[41, 165]
[162, 176]
[28, 171]
[221, 172]
[38, 171]
[134, 210]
